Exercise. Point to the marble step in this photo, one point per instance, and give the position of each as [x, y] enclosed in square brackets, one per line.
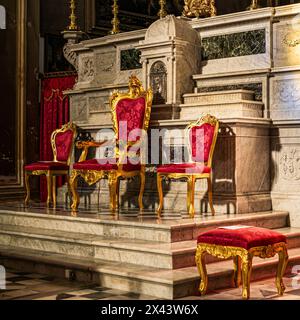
[161, 283]
[218, 97]
[140, 252]
[236, 109]
[137, 228]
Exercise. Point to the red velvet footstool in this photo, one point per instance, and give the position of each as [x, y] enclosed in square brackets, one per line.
[242, 243]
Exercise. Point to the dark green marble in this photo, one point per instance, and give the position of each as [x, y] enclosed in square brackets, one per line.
[234, 45]
[256, 87]
[130, 59]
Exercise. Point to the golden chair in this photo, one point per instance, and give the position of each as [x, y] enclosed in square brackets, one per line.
[133, 109]
[201, 151]
[62, 144]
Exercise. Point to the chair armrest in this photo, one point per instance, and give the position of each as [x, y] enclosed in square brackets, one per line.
[85, 145]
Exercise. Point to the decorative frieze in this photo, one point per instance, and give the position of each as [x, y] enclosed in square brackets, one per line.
[289, 164]
[255, 87]
[234, 45]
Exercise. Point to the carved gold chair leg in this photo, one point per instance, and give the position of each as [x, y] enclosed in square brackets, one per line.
[54, 191]
[200, 262]
[246, 275]
[191, 196]
[49, 188]
[27, 185]
[210, 195]
[118, 193]
[69, 189]
[237, 271]
[283, 260]
[112, 182]
[160, 194]
[73, 187]
[142, 189]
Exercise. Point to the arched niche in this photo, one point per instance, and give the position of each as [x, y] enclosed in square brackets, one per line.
[158, 81]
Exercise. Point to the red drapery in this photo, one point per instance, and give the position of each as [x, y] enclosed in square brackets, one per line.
[54, 113]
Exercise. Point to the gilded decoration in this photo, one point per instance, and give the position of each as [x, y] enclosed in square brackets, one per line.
[122, 151]
[199, 8]
[191, 178]
[242, 263]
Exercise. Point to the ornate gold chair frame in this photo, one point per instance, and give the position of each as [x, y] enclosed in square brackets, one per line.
[91, 177]
[51, 174]
[192, 177]
[242, 263]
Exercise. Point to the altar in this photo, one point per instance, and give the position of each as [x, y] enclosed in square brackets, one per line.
[242, 67]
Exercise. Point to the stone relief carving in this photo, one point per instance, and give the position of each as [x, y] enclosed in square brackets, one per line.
[87, 70]
[79, 109]
[70, 56]
[98, 104]
[290, 164]
[158, 80]
[286, 94]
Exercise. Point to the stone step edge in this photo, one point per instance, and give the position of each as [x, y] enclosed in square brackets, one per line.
[188, 224]
[111, 243]
[186, 275]
[219, 92]
[256, 104]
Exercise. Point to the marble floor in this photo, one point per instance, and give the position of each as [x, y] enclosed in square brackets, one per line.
[28, 286]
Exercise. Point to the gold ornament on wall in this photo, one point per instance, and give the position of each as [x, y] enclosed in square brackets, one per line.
[162, 12]
[115, 21]
[254, 5]
[73, 26]
[199, 8]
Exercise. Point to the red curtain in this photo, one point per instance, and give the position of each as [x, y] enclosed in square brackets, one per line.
[54, 113]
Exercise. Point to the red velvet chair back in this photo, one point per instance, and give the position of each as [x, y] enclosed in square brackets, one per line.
[130, 116]
[202, 137]
[62, 143]
[131, 113]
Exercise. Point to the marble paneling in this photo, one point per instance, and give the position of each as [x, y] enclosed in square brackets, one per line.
[285, 97]
[234, 45]
[130, 59]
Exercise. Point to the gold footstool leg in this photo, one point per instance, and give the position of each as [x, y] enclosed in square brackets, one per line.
[200, 261]
[283, 260]
[246, 274]
[237, 271]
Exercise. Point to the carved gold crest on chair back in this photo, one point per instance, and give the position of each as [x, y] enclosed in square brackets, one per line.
[130, 117]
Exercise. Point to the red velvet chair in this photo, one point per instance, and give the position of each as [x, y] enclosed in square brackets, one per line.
[62, 142]
[201, 151]
[133, 109]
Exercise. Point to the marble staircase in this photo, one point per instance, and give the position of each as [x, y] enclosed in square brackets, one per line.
[139, 254]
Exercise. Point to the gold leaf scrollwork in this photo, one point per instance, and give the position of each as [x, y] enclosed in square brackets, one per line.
[199, 8]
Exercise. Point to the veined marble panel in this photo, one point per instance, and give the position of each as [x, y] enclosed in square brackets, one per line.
[234, 45]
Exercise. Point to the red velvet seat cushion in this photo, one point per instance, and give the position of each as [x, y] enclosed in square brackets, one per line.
[104, 165]
[46, 165]
[246, 238]
[193, 168]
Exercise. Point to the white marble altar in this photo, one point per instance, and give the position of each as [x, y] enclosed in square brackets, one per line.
[251, 84]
